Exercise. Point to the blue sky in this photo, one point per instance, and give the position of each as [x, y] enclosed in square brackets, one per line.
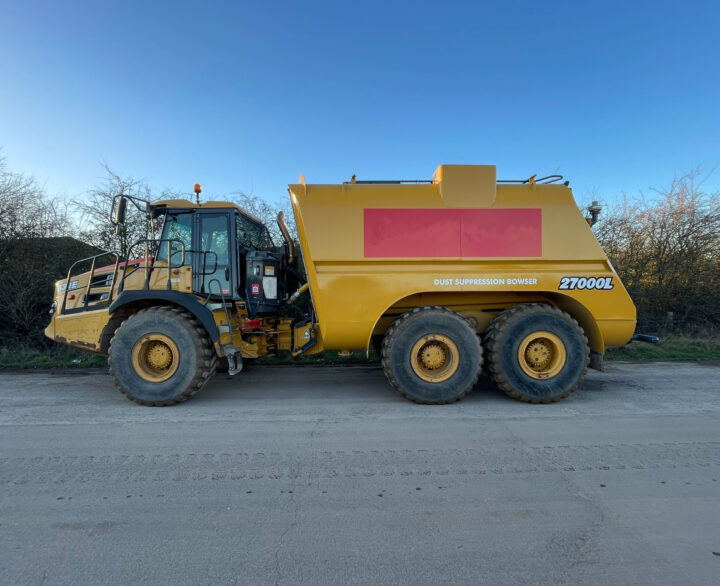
[616, 96]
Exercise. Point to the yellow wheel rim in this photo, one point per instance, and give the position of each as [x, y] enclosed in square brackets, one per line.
[542, 355]
[434, 358]
[155, 357]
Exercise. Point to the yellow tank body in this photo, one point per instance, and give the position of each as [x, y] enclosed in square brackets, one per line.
[463, 241]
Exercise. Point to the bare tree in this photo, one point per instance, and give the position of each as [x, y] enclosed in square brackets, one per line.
[267, 212]
[96, 209]
[27, 211]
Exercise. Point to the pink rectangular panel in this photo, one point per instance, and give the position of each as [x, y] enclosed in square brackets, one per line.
[461, 233]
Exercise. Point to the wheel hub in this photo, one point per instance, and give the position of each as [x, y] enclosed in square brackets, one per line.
[158, 355]
[155, 357]
[542, 355]
[433, 356]
[539, 354]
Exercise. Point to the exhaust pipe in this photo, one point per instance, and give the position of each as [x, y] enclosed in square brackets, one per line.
[286, 237]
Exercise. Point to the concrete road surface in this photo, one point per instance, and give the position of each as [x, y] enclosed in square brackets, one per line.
[325, 475]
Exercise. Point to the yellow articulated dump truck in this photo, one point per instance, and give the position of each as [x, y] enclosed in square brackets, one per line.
[443, 277]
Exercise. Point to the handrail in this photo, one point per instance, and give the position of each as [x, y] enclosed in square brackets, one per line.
[146, 266]
[388, 182]
[89, 286]
[205, 272]
[543, 180]
[224, 304]
[156, 243]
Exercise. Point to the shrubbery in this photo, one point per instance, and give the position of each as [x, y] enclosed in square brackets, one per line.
[667, 252]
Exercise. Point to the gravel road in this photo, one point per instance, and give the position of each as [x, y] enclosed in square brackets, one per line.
[325, 475]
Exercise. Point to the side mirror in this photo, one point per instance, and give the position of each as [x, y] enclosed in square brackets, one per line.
[119, 219]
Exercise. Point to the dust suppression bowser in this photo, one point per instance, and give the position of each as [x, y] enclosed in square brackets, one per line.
[443, 277]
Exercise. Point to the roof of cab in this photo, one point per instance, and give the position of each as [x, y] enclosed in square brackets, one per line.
[187, 204]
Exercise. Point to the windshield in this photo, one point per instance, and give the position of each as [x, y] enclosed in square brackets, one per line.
[252, 234]
[178, 226]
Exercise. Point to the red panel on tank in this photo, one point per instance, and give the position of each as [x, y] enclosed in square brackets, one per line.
[461, 233]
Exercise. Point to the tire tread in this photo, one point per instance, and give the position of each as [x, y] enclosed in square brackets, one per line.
[492, 340]
[390, 338]
[204, 353]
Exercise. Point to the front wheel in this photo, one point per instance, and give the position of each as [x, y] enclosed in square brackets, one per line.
[431, 355]
[161, 356]
[536, 353]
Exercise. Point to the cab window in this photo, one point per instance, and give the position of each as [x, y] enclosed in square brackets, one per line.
[252, 234]
[178, 229]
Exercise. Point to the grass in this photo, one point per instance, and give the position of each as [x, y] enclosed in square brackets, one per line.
[27, 357]
[20, 357]
[669, 349]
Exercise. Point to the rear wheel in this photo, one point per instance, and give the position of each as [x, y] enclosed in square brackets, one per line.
[431, 355]
[536, 353]
[161, 356]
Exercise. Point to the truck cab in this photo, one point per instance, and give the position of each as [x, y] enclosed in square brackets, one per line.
[231, 252]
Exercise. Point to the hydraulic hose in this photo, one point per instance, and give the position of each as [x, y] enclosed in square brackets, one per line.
[294, 297]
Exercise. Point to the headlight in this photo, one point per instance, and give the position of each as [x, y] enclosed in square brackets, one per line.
[53, 307]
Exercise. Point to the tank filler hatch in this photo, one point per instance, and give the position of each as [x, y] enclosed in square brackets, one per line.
[466, 186]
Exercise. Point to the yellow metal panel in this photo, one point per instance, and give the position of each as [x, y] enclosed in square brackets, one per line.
[81, 330]
[351, 292]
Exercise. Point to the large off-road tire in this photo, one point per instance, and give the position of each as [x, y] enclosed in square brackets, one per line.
[161, 356]
[536, 353]
[431, 355]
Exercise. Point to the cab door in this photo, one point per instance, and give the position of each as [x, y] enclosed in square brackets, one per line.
[214, 270]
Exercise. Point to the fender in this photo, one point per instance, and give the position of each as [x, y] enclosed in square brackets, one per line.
[197, 309]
